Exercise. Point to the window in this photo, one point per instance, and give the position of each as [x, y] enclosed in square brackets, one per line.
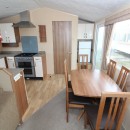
[85, 47]
[120, 43]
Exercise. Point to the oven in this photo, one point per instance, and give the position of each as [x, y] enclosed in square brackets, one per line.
[27, 63]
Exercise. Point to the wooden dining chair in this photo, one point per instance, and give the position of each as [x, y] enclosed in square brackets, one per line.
[104, 116]
[73, 101]
[111, 68]
[121, 80]
[82, 61]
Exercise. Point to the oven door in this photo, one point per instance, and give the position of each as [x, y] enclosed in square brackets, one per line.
[24, 63]
[27, 65]
[29, 72]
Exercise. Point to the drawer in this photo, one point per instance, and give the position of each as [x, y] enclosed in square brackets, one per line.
[37, 59]
[10, 58]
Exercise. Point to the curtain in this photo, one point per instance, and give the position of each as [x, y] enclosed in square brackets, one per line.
[108, 32]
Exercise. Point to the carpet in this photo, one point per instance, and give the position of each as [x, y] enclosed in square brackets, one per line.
[52, 116]
[9, 117]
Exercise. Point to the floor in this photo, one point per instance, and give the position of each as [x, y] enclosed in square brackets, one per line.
[41, 91]
[9, 117]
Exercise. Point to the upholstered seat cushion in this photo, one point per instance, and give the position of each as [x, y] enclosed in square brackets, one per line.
[92, 111]
[79, 100]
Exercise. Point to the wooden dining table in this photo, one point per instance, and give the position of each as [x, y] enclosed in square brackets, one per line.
[91, 83]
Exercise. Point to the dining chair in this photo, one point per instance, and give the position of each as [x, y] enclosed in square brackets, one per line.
[82, 61]
[108, 116]
[73, 101]
[111, 68]
[121, 80]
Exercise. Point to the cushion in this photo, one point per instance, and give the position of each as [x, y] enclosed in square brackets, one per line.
[79, 100]
[92, 111]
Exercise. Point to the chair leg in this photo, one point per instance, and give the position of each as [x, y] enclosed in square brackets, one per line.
[67, 116]
[85, 120]
[67, 113]
[81, 114]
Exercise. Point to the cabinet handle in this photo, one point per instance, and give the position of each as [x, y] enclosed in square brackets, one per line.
[6, 39]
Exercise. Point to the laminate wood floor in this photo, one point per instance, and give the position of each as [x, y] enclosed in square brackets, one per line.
[39, 92]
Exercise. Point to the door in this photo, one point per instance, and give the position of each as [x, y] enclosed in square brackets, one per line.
[62, 34]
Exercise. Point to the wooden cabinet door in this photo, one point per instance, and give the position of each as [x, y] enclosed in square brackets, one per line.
[21, 97]
[62, 38]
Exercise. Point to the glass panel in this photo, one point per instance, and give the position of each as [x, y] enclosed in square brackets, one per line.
[28, 71]
[85, 51]
[100, 42]
[24, 64]
[120, 43]
[84, 44]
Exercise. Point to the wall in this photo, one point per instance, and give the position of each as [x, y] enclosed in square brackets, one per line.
[45, 16]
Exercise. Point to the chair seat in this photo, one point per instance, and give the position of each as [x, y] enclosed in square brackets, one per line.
[92, 111]
[79, 100]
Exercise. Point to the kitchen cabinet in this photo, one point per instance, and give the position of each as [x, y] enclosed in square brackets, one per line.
[2, 63]
[12, 80]
[85, 31]
[42, 33]
[21, 94]
[7, 33]
[10, 62]
[38, 66]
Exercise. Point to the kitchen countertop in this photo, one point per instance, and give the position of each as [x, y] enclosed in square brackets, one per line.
[14, 71]
[40, 53]
[9, 54]
[13, 53]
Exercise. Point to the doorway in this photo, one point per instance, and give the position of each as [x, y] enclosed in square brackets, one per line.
[62, 38]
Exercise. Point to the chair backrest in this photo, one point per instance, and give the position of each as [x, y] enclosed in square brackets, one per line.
[82, 61]
[66, 78]
[116, 109]
[121, 80]
[111, 68]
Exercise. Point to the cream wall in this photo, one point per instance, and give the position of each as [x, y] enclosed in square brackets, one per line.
[45, 16]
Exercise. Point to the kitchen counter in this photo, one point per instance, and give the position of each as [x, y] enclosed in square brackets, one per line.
[40, 53]
[14, 71]
[9, 54]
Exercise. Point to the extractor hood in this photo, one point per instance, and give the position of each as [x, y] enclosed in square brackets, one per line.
[25, 21]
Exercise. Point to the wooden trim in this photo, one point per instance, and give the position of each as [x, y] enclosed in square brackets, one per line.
[44, 65]
[75, 106]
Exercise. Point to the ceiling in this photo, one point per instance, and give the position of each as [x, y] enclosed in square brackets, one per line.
[91, 10]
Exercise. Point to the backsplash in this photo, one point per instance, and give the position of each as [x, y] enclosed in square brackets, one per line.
[29, 44]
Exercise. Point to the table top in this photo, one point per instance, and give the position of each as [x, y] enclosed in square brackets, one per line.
[91, 83]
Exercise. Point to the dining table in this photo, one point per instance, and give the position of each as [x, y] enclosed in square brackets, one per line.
[91, 83]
